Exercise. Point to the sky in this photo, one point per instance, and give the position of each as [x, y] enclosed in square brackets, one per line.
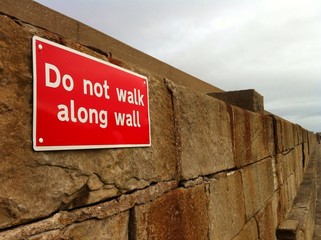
[272, 46]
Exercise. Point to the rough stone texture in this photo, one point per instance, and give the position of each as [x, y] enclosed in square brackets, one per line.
[227, 221]
[299, 134]
[198, 115]
[305, 154]
[287, 230]
[304, 205]
[179, 214]
[247, 99]
[258, 184]
[289, 168]
[287, 192]
[100, 211]
[267, 220]
[252, 136]
[300, 164]
[289, 163]
[115, 227]
[248, 232]
[36, 184]
[317, 231]
[288, 135]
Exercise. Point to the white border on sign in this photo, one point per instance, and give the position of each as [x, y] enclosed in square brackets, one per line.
[77, 147]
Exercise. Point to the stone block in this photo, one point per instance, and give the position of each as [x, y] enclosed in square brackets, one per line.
[115, 227]
[104, 210]
[299, 162]
[287, 230]
[267, 219]
[247, 99]
[305, 135]
[179, 214]
[248, 232]
[304, 204]
[285, 134]
[287, 192]
[203, 133]
[226, 206]
[299, 134]
[253, 137]
[288, 136]
[277, 125]
[259, 185]
[36, 184]
[288, 163]
[305, 155]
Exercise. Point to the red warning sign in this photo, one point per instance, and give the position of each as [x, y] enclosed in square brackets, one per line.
[82, 102]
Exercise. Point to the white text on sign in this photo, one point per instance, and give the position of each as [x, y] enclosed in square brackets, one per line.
[71, 112]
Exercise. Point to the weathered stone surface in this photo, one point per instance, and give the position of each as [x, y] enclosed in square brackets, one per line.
[285, 136]
[179, 214]
[115, 227]
[258, 183]
[287, 229]
[36, 184]
[287, 192]
[288, 163]
[267, 219]
[100, 211]
[288, 136]
[247, 99]
[304, 205]
[248, 232]
[226, 206]
[253, 137]
[198, 115]
[299, 134]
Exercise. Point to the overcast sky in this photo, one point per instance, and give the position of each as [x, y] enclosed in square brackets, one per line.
[273, 46]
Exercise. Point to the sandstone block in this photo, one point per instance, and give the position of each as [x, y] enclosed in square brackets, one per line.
[253, 137]
[248, 232]
[203, 132]
[305, 154]
[115, 227]
[179, 214]
[305, 135]
[277, 133]
[288, 136]
[299, 132]
[267, 219]
[299, 161]
[247, 99]
[63, 219]
[288, 163]
[287, 229]
[226, 206]
[258, 183]
[287, 194]
[36, 184]
[304, 204]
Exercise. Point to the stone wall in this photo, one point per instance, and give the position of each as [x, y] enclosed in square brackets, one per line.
[213, 171]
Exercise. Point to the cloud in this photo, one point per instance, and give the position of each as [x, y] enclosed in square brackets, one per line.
[270, 45]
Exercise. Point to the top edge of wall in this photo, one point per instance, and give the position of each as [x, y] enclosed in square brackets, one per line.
[41, 16]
